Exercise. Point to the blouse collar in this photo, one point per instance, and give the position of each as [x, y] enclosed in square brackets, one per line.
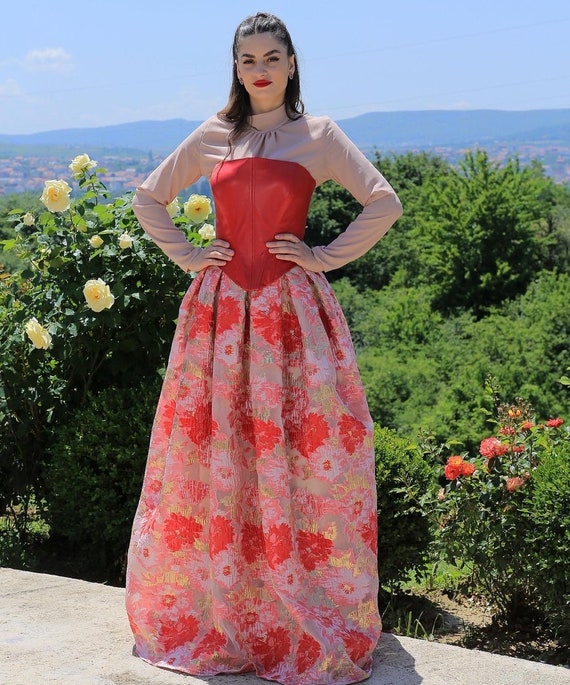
[269, 120]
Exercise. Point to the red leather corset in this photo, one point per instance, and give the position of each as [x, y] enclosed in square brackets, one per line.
[256, 198]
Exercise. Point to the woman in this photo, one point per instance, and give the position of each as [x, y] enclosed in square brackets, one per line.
[254, 543]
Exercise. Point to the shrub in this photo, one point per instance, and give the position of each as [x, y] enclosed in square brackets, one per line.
[547, 507]
[491, 516]
[94, 481]
[405, 489]
[92, 306]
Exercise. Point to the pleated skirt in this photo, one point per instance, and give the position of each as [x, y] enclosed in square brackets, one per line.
[254, 542]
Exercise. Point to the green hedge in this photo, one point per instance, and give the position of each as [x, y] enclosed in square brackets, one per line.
[548, 537]
[405, 487]
[95, 478]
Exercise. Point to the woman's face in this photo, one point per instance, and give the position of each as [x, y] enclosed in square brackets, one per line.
[264, 67]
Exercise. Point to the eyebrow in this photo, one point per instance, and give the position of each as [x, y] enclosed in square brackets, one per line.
[271, 52]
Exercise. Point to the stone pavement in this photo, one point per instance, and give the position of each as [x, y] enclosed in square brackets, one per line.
[60, 631]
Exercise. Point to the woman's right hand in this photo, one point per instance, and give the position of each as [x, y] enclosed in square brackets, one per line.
[217, 253]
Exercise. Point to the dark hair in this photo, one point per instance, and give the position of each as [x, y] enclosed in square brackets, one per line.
[238, 108]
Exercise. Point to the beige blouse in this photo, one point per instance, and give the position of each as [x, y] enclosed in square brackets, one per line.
[316, 143]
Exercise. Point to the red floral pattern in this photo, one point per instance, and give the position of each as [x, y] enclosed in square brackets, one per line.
[352, 432]
[180, 531]
[174, 633]
[308, 652]
[314, 548]
[254, 544]
[278, 544]
[221, 534]
[212, 642]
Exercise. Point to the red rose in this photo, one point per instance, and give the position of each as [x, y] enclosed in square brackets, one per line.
[492, 447]
[453, 467]
[514, 483]
[507, 430]
[467, 468]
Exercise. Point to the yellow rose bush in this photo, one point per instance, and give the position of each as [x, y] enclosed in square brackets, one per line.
[91, 306]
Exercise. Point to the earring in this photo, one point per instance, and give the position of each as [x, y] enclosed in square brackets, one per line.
[240, 81]
[291, 75]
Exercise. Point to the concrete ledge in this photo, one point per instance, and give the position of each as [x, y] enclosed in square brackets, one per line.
[60, 631]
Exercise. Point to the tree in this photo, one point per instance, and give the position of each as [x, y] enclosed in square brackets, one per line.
[483, 232]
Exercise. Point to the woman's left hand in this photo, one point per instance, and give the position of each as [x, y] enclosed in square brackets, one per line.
[290, 248]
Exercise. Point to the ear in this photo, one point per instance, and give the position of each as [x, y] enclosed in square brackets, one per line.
[291, 65]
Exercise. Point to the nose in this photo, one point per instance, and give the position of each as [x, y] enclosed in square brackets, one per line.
[261, 69]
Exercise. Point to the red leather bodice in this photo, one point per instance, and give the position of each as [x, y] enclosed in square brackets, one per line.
[256, 198]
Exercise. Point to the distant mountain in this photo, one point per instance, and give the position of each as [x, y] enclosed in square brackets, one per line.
[424, 129]
[139, 135]
[384, 130]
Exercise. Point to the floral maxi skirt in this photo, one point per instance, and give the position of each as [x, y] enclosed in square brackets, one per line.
[254, 542]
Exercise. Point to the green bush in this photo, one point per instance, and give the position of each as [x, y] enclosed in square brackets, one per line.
[405, 489]
[548, 538]
[94, 481]
[505, 513]
[57, 345]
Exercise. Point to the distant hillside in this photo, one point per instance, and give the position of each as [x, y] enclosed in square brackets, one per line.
[385, 130]
[139, 135]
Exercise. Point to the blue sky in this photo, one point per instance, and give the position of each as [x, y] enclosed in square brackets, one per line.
[83, 63]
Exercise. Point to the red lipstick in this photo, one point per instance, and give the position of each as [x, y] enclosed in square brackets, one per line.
[262, 83]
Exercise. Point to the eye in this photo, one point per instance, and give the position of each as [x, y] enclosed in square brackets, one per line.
[274, 58]
[247, 61]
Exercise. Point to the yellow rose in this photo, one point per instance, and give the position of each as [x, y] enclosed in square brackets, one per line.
[198, 208]
[28, 219]
[98, 295]
[173, 208]
[207, 232]
[96, 241]
[37, 334]
[81, 163]
[125, 241]
[56, 196]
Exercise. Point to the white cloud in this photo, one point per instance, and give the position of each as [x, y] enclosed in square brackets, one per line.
[10, 89]
[49, 59]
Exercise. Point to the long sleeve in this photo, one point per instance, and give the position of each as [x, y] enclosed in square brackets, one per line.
[381, 207]
[177, 171]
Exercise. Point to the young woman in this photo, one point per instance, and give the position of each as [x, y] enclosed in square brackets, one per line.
[254, 543]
